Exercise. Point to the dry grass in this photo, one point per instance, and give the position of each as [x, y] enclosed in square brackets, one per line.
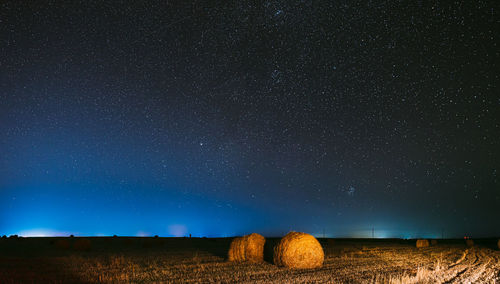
[204, 260]
[299, 250]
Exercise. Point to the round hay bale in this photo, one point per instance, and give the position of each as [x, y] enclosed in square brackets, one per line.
[247, 248]
[82, 245]
[236, 250]
[299, 250]
[434, 242]
[469, 243]
[498, 244]
[254, 251]
[422, 243]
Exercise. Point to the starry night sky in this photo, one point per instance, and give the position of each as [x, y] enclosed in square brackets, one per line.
[175, 118]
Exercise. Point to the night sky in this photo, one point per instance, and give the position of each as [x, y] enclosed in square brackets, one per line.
[218, 119]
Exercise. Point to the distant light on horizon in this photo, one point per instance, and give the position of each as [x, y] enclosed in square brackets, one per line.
[177, 230]
[42, 233]
[143, 234]
[180, 230]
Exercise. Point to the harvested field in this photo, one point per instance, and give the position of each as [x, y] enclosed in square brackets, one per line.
[184, 260]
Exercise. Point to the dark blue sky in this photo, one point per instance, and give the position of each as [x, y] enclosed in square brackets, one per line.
[154, 117]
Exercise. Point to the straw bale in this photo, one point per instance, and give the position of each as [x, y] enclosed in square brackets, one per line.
[247, 248]
[422, 243]
[299, 250]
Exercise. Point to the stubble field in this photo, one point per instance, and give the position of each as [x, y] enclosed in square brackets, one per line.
[200, 260]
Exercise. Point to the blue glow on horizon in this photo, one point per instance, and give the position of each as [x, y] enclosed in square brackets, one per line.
[55, 211]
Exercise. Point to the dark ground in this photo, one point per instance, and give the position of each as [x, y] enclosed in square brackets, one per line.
[43, 259]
